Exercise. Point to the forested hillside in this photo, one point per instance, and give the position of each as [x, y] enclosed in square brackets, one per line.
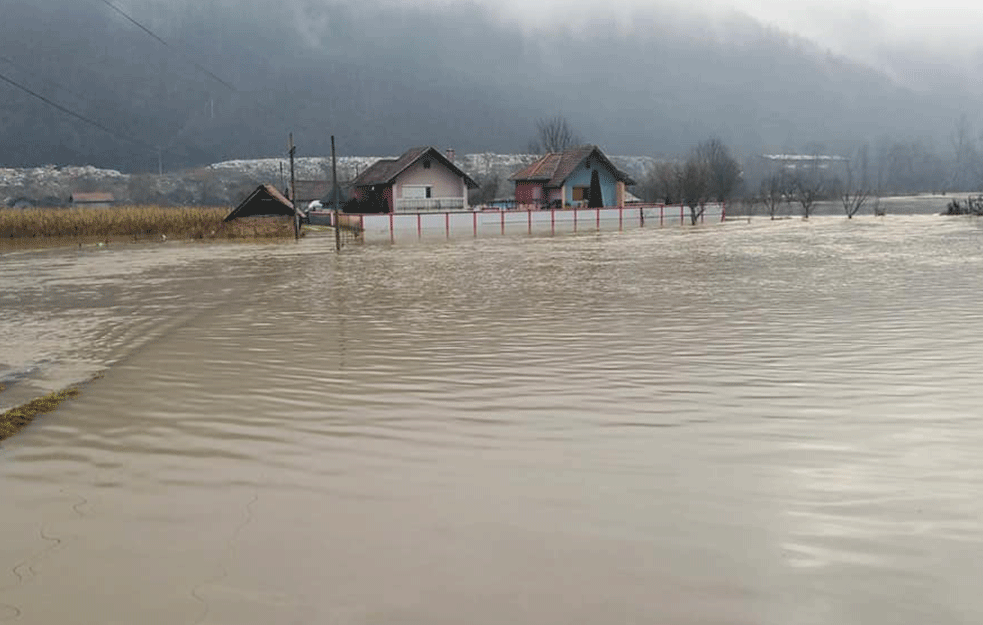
[234, 79]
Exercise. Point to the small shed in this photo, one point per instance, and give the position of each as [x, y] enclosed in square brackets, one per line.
[95, 199]
[264, 201]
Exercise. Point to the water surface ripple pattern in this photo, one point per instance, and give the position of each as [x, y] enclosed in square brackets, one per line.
[774, 422]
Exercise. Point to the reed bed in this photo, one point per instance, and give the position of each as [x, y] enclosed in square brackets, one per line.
[137, 222]
[13, 420]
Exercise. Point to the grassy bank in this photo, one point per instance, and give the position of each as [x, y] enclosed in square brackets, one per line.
[13, 420]
[137, 222]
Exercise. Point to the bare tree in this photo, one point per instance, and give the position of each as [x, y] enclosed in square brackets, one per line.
[774, 189]
[662, 182]
[553, 134]
[857, 188]
[809, 183]
[694, 185]
[724, 172]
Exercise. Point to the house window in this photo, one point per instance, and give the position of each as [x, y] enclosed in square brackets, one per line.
[417, 192]
[426, 164]
[537, 193]
[580, 193]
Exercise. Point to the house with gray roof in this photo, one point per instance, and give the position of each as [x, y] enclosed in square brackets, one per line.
[422, 179]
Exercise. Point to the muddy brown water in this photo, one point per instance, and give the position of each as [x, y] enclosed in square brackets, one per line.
[774, 422]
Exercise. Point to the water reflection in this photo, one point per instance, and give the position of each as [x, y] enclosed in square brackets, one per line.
[772, 422]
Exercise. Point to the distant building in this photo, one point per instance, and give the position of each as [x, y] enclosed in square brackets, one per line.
[265, 201]
[802, 161]
[422, 179]
[307, 191]
[580, 176]
[96, 199]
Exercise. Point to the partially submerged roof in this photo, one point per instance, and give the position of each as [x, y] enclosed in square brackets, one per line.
[554, 168]
[265, 200]
[93, 197]
[386, 170]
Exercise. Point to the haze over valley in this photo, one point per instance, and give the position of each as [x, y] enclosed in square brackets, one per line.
[196, 84]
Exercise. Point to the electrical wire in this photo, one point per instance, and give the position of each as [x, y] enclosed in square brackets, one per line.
[79, 116]
[164, 42]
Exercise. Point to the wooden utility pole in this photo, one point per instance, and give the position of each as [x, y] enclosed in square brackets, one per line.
[293, 188]
[334, 192]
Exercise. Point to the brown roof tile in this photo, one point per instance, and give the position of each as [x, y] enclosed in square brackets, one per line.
[556, 167]
[265, 200]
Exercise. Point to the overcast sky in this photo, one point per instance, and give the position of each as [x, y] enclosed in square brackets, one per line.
[878, 32]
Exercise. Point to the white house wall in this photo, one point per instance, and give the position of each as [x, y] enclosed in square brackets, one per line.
[443, 181]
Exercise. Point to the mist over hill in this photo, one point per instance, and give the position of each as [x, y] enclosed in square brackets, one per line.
[235, 78]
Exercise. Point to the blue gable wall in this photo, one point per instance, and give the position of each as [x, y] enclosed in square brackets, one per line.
[581, 178]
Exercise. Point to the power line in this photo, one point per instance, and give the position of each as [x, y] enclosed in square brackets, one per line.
[228, 85]
[164, 42]
[51, 84]
[78, 116]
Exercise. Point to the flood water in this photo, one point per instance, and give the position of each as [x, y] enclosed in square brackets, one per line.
[761, 423]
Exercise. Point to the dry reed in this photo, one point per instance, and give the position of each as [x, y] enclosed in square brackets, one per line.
[138, 222]
[15, 419]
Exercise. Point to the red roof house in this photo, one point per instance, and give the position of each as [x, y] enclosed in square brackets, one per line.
[580, 176]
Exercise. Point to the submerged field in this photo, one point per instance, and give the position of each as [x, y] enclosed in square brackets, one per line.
[136, 222]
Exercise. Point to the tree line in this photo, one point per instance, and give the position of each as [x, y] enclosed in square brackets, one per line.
[855, 179]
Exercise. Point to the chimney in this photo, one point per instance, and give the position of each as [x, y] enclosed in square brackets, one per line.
[450, 154]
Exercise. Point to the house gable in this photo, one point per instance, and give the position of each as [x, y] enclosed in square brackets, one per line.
[555, 168]
[385, 171]
[265, 200]
[566, 177]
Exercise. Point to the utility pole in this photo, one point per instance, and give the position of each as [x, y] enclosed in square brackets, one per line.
[293, 188]
[160, 163]
[334, 191]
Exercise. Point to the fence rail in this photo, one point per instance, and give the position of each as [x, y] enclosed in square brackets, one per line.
[399, 227]
[433, 204]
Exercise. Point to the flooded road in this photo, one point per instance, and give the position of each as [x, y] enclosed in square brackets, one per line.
[765, 423]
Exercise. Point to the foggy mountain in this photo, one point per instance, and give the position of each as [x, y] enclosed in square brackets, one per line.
[236, 77]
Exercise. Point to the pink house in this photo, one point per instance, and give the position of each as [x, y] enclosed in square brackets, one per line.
[422, 179]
